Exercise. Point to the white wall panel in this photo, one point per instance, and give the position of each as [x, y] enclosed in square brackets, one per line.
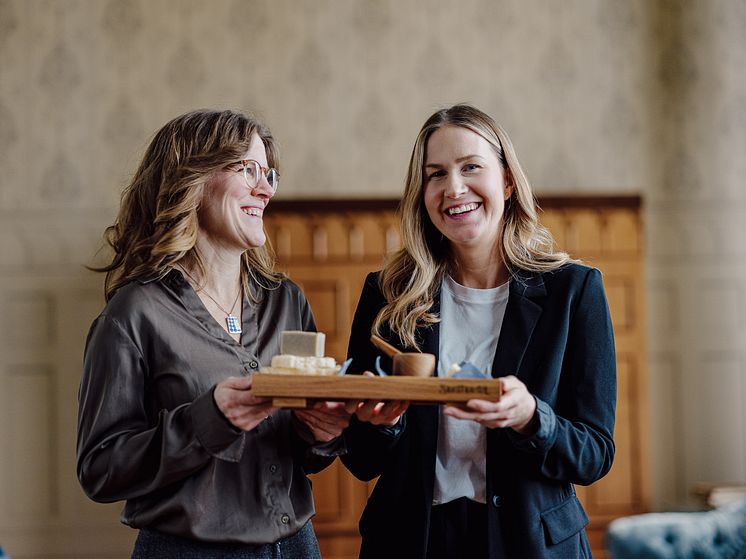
[28, 323]
[666, 440]
[715, 419]
[31, 483]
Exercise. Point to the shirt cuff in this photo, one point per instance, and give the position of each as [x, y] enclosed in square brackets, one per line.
[394, 431]
[544, 436]
[214, 432]
[335, 447]
[388, 431]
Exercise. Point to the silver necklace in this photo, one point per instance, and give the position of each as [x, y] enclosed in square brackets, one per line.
[231, 320]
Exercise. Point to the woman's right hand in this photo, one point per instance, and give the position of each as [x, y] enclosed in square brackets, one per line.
[377, 412]
[244, 410]
[381, 413]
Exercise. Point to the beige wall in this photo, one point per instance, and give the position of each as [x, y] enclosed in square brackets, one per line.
[602, 97]
[696, 223]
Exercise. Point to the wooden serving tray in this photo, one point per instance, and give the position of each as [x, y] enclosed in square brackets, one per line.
[298, 391]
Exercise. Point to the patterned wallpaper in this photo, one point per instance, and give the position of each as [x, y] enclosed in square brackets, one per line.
[639, 96]
[344, 86]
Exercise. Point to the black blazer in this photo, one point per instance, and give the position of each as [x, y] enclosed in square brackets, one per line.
[557, 338]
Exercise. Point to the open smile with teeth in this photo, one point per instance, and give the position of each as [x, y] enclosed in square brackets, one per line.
[464, 208]
[252, 211]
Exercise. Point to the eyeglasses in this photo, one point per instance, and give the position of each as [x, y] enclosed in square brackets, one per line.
[253, 171]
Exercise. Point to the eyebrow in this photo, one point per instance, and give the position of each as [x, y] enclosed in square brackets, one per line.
[459, 160]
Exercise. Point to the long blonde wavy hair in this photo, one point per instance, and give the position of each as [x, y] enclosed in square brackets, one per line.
[157, 223]
[411, 278]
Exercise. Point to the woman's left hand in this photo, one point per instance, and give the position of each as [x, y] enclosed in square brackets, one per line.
[515, 409]
[325, 420]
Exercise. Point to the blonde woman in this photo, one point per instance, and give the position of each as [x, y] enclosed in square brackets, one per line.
[167, 420]
[478, 281]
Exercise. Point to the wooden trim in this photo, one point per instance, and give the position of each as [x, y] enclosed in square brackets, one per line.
[584, 201]
[333, 205]
[337, 205]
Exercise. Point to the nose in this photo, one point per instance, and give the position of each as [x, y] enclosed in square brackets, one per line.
[263, 189]
[455, 187]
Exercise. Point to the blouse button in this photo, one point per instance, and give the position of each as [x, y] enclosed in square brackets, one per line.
[496, 501]
[284, 519]
[273, 468]
[253, 364]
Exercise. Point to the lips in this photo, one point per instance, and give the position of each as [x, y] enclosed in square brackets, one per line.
[462, 209]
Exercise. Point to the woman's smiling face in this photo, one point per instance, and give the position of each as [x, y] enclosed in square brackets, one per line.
[464, 188]
[230, 215]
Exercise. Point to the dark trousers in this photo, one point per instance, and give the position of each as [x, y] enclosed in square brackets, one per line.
[458, 529]
[151, 544]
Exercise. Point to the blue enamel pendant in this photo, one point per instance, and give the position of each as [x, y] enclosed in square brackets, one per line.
[234, 326]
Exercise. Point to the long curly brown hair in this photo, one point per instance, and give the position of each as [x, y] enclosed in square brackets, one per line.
[157, 222]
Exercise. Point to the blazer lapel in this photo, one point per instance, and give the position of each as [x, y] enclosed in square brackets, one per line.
[521, 316]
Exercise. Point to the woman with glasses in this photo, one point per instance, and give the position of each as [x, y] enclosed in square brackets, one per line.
[478, 282]
[167, 420]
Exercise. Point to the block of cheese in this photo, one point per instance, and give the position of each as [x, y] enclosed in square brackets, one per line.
[303, 344]
[302, 353]
[302, 362]
[302, 365]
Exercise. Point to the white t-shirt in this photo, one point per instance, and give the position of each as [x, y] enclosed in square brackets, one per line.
[469, 329]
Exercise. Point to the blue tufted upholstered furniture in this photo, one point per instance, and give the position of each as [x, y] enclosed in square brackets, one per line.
[713, 534]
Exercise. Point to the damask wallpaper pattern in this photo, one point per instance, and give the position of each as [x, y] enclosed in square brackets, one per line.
[344, 85]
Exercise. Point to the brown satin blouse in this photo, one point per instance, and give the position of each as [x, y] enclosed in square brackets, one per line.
[150, 433]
